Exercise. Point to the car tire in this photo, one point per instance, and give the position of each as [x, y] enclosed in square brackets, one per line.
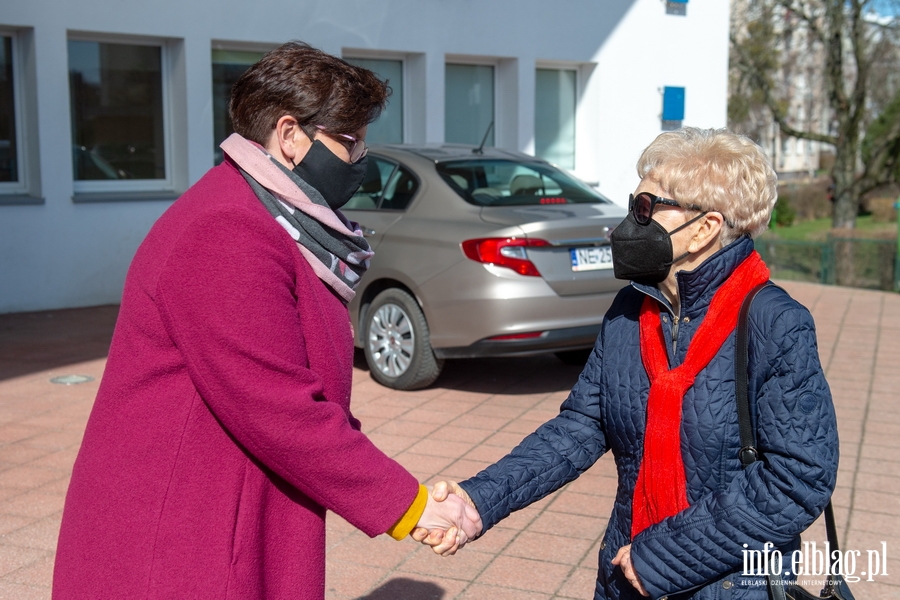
[396, 342]
[576, 358]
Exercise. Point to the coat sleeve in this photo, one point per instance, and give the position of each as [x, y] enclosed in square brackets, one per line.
[556, 453]
[775, 498]
[227, 299]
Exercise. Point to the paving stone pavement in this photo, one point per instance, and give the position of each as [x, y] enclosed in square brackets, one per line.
[475, 413]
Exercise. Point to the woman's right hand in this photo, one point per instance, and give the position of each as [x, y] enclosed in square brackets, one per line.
[445, 542]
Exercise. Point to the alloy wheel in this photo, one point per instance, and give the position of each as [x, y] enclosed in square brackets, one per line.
[391, 340]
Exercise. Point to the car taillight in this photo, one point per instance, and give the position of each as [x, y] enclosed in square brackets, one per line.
[504, 252]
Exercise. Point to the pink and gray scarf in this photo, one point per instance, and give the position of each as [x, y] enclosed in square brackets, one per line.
[333, 245]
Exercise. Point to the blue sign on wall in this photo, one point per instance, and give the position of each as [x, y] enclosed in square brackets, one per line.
[673, 104]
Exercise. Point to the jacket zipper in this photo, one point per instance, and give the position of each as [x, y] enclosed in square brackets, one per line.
[674, 331]
[674, 336]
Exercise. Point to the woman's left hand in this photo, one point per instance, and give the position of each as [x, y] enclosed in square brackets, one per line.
[623, 560]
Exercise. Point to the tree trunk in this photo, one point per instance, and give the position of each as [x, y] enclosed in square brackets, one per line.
[845, 199]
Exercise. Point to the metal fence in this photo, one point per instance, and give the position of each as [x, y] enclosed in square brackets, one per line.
[852, 262]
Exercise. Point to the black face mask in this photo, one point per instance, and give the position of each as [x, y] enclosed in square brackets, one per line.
[336, 180]
[643, 253]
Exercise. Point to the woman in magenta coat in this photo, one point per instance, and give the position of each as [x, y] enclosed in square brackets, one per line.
[222, 430]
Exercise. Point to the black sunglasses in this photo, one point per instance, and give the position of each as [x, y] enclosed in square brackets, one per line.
[643, 205]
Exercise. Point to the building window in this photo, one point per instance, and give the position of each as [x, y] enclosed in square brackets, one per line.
[388, 128]
[118, 114]
[469, 104]
[9, 144]
[676, 7]
[19, 156]
[227, 67]
[554, 116]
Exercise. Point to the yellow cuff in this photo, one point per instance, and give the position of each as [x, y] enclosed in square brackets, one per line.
[408, 521]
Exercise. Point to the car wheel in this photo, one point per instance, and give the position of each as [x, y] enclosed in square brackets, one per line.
[576, 358]
[397, 344]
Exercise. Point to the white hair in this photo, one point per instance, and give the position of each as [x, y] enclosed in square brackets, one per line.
[716, 170]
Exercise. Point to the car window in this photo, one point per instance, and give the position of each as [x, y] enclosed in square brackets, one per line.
[386, 186]
[501, 182]
[367, 197]
[399, 191]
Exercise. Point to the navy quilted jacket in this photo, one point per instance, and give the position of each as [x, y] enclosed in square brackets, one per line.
[697, 553]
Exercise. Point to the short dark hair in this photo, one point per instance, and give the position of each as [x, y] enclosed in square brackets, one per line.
[312, 86]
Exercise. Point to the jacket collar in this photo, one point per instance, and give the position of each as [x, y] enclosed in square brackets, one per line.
[696, 288]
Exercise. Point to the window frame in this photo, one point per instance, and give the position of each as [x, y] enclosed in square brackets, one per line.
[475, 61]
[26, 189]
[97, 190]
[230, 46]
[579, 91]
[405, 98]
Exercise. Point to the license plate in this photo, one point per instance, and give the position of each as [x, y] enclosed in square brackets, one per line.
[591, 259]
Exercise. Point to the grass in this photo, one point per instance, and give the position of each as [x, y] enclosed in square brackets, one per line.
[818, 230]
[806, 251]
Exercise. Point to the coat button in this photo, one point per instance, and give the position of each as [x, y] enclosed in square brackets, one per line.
[727, 585]
[603, 545]
[664, 598]
[687, 319]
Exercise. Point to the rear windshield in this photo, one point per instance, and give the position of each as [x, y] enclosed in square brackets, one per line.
[509, 183]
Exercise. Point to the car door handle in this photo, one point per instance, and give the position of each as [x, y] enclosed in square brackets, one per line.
[367, 231]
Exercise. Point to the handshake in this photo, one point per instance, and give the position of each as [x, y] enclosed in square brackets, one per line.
[449, 521]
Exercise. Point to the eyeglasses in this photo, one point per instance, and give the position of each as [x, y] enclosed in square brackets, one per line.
[643, 205]
[355, 146]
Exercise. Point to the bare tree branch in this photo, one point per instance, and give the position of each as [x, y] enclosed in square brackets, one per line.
[782, 48]
[802, 11]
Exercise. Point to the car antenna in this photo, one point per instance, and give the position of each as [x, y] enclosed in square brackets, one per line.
[480, 149]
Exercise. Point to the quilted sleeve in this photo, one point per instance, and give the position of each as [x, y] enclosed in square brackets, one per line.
[775, 498]
[556, 453]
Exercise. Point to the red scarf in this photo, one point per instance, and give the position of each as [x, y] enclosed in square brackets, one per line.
[661, 489]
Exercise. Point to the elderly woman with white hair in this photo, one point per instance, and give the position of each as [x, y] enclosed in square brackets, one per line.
[659, 390]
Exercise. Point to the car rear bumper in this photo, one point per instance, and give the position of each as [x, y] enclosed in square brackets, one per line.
[485, 302]
[556, 340]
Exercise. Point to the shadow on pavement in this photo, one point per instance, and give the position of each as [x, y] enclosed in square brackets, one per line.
[38, 341]
[539, 374]
[406, 589]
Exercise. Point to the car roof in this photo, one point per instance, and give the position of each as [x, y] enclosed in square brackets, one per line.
[446, 152]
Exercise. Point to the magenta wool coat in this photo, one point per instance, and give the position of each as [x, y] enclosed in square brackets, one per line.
[222, 429]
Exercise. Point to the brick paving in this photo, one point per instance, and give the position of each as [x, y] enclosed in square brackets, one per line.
[475, 413]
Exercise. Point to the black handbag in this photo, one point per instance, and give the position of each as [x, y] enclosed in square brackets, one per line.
[835, 585]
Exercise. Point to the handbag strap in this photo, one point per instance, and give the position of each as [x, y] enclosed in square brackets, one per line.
[748, 453]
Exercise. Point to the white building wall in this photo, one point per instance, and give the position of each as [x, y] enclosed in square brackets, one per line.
[59, 253]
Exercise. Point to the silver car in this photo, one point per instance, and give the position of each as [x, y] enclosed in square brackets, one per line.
[477, 253]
